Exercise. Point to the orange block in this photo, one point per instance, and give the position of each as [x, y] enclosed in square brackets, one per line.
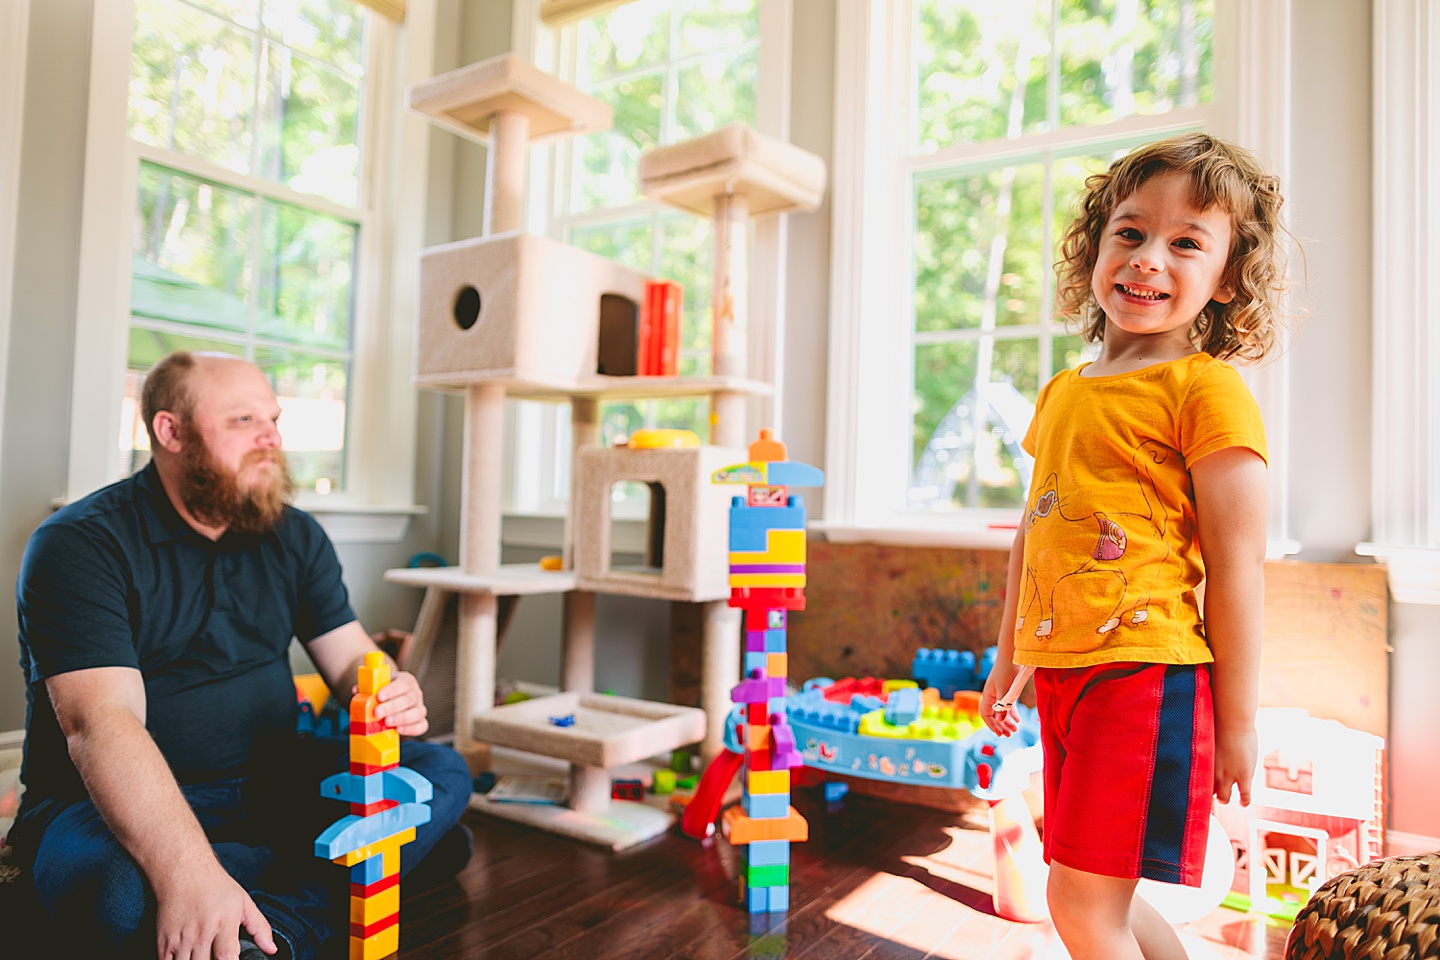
[777, 665]
[376, 749]
[757, 736]
[741, 829]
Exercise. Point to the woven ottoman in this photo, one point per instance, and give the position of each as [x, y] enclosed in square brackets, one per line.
[1384, 910]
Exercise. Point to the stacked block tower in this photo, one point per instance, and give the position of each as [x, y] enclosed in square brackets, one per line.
[387, 803]
[767, 579]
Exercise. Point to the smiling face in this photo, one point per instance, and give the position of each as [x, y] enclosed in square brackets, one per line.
[1160, 262]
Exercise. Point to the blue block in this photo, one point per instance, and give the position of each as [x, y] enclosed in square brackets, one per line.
[779, 899]
[793, 473]
[835, 791]
[766, 806]
[774, 641]
[767, 853]
[755, 661]
[368, 871]
[757, 899]
[351, 833]
[398, 783]
[903, 707]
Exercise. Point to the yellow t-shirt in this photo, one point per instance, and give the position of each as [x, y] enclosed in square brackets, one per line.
[1112, 558]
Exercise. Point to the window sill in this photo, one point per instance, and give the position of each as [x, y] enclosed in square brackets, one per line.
[969, 537]
[1414, 572]
[357, 522]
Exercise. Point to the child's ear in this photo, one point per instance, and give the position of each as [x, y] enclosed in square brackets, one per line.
[1224, 293]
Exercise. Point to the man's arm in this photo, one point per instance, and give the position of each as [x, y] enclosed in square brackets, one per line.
[1230, 515]
[200, 909]
[338, 655]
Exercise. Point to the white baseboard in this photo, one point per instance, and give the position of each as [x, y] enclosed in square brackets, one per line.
[1398, 844]
[12, 739]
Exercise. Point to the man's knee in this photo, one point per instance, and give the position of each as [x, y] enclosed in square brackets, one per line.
[95, 893]
[448, 775]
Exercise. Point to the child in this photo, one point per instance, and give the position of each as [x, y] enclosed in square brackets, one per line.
[1149, 481]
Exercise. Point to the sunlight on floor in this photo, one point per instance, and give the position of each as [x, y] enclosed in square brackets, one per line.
[939, 904]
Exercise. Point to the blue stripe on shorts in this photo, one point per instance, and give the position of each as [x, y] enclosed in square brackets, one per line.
[1170, 787]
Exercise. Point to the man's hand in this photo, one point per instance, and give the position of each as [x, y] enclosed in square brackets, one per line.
[1235, 764]
[1002, 722]
[402, 705]
[199, 914]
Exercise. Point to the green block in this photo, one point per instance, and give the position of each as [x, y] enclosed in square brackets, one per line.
[682, 760]
[663, 782]
[775, 875]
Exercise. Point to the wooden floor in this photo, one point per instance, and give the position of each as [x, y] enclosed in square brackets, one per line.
[876, 880]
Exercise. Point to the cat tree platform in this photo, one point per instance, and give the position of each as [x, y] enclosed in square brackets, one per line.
[607, 732]
[772, 175]
[464, 101]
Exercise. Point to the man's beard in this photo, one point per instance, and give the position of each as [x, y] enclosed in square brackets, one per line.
[213, 494]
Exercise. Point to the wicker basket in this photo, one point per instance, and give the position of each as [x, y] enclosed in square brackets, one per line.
[1385, 910]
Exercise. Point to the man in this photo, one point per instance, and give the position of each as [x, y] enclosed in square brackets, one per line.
[169, 802]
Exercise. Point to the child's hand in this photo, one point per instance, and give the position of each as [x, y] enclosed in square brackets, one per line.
[1235, 764]
[1001, 722]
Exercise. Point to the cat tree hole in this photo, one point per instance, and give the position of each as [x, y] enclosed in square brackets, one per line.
[467, 307]
[618, 353]
[642, 498]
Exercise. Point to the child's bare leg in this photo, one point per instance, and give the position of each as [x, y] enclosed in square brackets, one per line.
[1154, 933]
[1099, 918]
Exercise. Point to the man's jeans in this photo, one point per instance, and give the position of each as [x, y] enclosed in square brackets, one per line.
[262, 829]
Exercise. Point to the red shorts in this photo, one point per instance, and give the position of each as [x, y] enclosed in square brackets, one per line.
[1129, 768]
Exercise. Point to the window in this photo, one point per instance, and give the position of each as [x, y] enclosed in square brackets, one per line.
[1406, 467]
[671, 70]
[245, 192]
[246, 117]
[963, 136]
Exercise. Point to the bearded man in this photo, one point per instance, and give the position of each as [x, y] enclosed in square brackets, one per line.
[170, 806]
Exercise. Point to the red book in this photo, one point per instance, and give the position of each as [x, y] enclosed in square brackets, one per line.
[666, 297]
[645, 343]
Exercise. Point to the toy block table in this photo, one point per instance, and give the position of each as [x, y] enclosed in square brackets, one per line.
[608, 731]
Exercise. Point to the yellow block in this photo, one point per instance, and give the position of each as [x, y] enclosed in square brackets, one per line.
[768, 781]
[315, 689]
[777, 665]
[380, 749]
[781, 546]
[388, 849]
[383, 944]
[374, 673]
[376, 907]
[767, 579]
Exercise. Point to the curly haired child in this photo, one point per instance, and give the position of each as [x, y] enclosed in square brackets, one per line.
[1149, 485]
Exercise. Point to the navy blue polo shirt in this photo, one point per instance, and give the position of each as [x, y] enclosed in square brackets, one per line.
[118, 579]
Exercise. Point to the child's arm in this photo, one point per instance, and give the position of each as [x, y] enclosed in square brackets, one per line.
[1230, 514]
[1004, 671]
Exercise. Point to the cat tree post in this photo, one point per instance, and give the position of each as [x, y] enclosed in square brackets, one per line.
[505, 103]
[731, 175]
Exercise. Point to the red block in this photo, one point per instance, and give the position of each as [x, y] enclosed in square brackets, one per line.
[364, 891]
[365, 729]
[758, 760]
[755, 713]
[366, 809]
[366, 769]
[356, 930]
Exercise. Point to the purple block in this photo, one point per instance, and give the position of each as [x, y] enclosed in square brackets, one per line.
[776, 688]
[755, 689]
[767, 568]
[784, 755]
[755, 641]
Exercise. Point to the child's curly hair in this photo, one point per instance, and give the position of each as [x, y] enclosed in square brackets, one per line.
[1221, 174]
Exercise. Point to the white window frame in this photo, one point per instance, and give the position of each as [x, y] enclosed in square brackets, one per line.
[1405, 427]
[538, 442]
[14, 41]
[867, 457]
[379, 496]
